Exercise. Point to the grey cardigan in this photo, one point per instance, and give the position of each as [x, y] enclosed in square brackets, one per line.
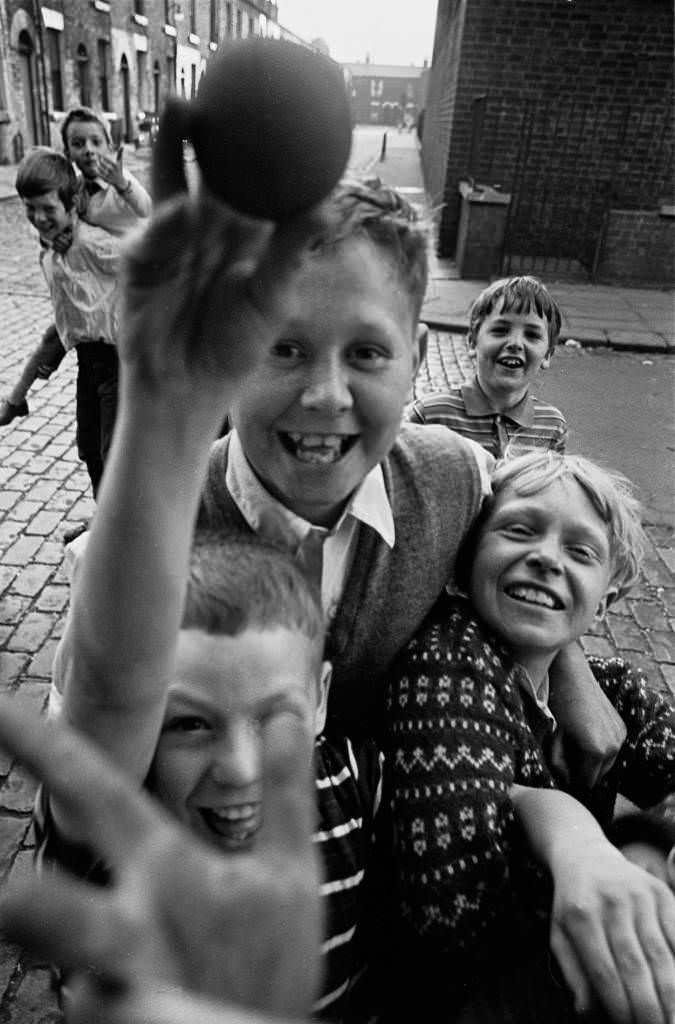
[433, 482]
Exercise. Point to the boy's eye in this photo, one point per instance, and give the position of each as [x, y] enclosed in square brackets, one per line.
[372, 355]
[583, 553]
[185, 724]
[518, 529]
[287, 350]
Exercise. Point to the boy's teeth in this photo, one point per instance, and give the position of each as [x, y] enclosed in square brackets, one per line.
[318, 448]
[234, 813]
[531, 595]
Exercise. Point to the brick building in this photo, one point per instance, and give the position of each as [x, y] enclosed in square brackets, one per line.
[119, 56]
[385, 93]
[567, 107]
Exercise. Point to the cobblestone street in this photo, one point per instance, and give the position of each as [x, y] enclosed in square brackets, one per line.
[45, 490]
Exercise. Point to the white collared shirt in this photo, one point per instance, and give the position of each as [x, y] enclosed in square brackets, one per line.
[273, 521]
[539, 695]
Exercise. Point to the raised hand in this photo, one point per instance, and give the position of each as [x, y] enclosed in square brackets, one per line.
[178, 914]
[613, 934]
[111, 169]
[205, 286]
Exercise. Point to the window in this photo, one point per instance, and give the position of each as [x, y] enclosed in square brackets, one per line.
[213, 21]
[140, 77]
[251, 26]
[228, 20]
[239, 24]
[182, 83]
[104, 91]
[193, 17]
[193, 81]
[83, 84]
[171, 73]
[55, 76]
[139, 7]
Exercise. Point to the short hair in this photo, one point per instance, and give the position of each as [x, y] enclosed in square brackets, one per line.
[237, 583]
[611, 494]
[84, 115]
[519, 295]
[44, 170]
[368, 208]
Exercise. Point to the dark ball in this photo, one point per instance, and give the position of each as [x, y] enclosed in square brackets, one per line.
[271, 127]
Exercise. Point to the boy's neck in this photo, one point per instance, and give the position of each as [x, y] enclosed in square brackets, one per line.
[502, 401]
[535, 663]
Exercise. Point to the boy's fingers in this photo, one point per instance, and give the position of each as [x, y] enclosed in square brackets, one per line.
[119, 155]
[63, 920]
[571, 970]
[660, 959]
[284, 255]
[288, 791]
[168, 168]
[89, 788]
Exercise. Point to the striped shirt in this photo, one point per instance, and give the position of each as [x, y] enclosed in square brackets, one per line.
[467, 410]
[348, 789]
[348, 782]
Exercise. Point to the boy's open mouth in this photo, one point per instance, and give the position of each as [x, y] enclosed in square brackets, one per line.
[234, 825]
[511, 362]
[321, 449]
[534, 595]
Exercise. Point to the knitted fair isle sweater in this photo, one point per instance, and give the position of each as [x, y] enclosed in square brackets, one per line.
[433, 483]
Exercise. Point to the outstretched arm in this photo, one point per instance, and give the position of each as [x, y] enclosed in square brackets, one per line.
[613, 924]
[180, 917]
[204, 291]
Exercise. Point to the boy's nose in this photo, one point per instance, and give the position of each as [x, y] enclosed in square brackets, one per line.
[327, 390]
[545, 556]
[236, 757]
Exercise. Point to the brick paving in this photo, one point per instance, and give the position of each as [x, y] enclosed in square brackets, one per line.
[44, 490]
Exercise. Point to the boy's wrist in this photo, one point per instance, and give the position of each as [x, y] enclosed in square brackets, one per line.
[125, 188]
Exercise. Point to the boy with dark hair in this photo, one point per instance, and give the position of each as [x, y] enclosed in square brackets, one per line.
[84, 285]
[514, 326]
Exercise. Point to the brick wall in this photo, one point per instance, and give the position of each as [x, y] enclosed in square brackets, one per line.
[638, 248]
[607, 63]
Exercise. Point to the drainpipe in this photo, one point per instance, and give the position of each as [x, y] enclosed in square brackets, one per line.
[44, 109]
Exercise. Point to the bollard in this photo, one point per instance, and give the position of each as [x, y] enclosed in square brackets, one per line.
[383, 151]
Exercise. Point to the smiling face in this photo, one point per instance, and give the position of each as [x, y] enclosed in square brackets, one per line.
[541, 570]
[47, 214]
[86, 143]
[510, 349]
[207, 765]
[324, 404]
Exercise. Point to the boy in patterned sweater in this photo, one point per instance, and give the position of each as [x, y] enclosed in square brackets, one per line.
[558, 540]
[514, 326]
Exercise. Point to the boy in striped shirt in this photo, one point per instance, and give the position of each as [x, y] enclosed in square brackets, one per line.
[514, 326]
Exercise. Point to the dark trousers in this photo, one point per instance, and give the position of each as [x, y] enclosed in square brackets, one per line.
[96, 405]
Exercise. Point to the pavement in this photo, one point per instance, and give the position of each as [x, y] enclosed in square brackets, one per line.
[616, 386]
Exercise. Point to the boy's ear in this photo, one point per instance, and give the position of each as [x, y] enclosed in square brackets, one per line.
[601, 610]
[322, 697]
